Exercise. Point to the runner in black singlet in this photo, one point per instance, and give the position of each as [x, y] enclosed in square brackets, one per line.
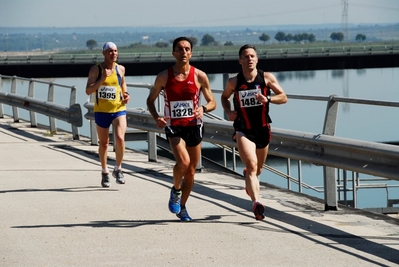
[251, 91]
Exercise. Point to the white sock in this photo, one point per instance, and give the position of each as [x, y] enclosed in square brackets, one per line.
[117, 168]
[105, 170]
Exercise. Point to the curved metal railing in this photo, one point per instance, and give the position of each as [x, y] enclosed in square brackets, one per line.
[47, 105]
[324, 149]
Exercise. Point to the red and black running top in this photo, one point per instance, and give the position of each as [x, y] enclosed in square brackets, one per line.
[182, 98]
[251, 114]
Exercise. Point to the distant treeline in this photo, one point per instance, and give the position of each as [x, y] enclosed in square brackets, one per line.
[48, 39]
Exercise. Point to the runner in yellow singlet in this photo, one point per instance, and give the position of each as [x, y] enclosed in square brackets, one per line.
[107, 81]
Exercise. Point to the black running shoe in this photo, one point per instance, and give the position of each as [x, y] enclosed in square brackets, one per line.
[118, 175]
[105, 180]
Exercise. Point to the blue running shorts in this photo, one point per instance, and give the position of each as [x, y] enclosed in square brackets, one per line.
[104, 120]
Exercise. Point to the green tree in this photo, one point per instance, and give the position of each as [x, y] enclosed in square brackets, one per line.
[91, 44]
[228, 43]
[288, 38]
[340, 36]
[280, 36]
[264, 38]
[208, 40]
[312, 38]
[194, 40]
[337, 36]
[304, 36]
[137, 45]
[297, 38]
[360, 37]
[161, 44]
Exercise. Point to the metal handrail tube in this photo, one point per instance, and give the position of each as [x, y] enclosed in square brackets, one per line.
[71, 113]
[371, 158]
[349, 154]
[365, 101]
[271, 169]
[323, 150]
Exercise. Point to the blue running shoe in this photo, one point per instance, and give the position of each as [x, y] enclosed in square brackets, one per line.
[174, 201]
[183, 215]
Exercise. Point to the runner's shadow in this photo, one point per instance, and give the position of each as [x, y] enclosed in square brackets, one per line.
[61, 190]
[116, 223]
[308, 229]
[206, 193]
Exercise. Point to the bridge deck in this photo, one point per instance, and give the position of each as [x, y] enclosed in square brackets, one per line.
[210, 64]
[55, 213]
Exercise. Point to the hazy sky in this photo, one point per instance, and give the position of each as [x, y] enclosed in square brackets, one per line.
[188, 13]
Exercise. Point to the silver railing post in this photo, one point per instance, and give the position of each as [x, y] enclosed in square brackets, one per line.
[1, 104]
[330, 186]
[72, 100]
[355, 179]
[300, 176]
[233, 149]
[224, 157]
[93, 130]
[288, 173]
[31, 93]
[152, 147]
[50, 98]
[15, 112]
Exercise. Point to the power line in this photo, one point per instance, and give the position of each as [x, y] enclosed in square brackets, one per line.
[368, 6]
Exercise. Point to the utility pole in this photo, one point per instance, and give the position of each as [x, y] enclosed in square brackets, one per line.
[344, 20]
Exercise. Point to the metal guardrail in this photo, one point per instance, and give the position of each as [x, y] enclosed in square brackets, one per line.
[321, 149]
[71, 114]
[324, 149]
[53, 58]
[359, 156]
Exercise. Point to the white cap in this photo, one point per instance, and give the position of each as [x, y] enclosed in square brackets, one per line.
[109, 45]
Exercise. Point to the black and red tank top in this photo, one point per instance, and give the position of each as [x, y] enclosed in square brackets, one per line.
[182, 98]
[251, 114]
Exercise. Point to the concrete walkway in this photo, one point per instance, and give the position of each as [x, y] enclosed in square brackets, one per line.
[54, 212]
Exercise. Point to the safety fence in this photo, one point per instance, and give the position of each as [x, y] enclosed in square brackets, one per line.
[336, 155]
[70, 113]
[333, 153]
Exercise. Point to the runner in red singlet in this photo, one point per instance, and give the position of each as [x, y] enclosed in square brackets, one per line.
[182, 120]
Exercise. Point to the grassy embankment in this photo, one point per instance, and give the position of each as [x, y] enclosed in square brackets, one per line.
[291, 46]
